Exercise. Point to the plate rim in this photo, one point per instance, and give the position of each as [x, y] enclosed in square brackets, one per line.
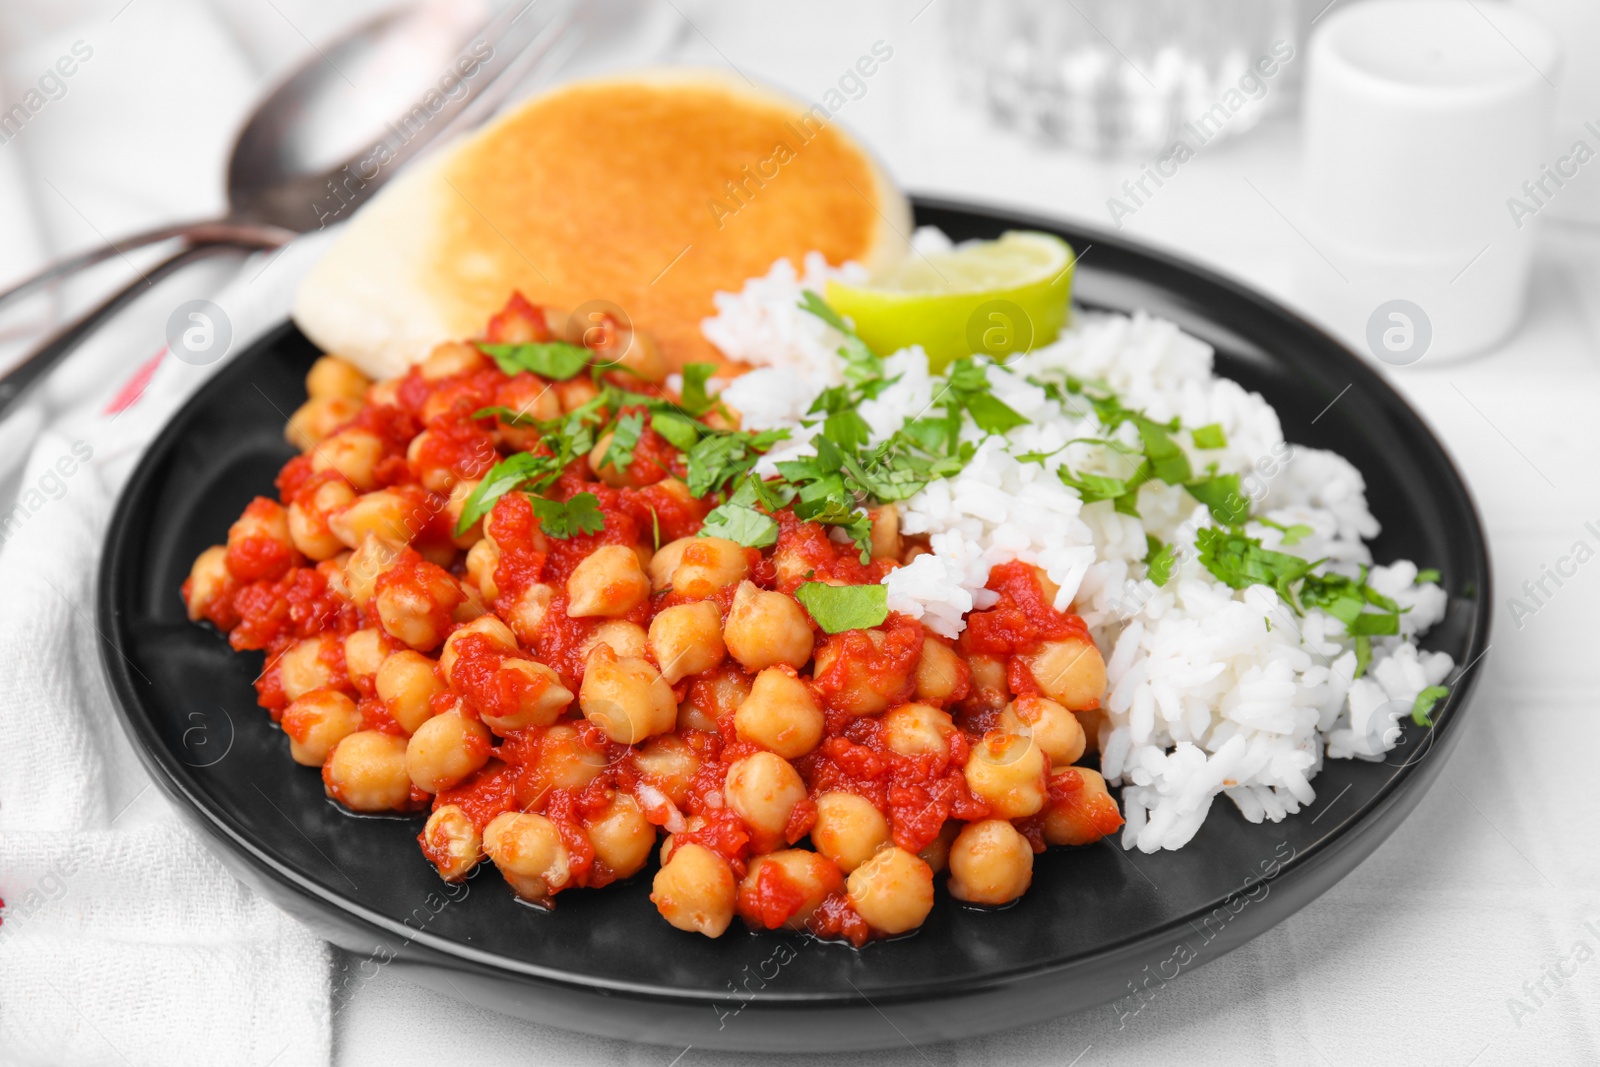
[167, 771]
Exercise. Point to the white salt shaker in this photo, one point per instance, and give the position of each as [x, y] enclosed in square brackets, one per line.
[1423, 120]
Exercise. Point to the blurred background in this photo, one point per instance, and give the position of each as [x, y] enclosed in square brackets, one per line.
[1357, 159]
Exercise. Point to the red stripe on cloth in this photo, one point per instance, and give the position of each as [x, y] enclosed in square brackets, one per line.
[134, 387]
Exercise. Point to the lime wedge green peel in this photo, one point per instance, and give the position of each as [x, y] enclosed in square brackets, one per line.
[991, 298]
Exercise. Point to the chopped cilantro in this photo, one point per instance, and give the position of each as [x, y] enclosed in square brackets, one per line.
[695, 375]
[844, 607]
[1427, 576]
[1363, 655]
[862, 366]
[723, 455]
[1160, 560]
[624, 439]
[1093, 487]
[741, 524]
[1292, 535]
[680, 431]
[1422, 709]
[503, 477]
[1239, 562]
[1210, 436]
[557, 360]
[506, 415]
[1223, 495]
[581, 514]
[1347, 600]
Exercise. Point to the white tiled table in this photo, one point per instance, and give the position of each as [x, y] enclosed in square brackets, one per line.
[1418, 956]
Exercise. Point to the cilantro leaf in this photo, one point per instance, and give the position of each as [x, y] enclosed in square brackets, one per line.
[680, 431]
[1292, 535]
[1347, 600]
[1238, 562]
[741, 524]
[506, 416]
[1422, 709]
[1160, 560]
[1426, 576]
[695, 401]
[1093, 487]
[624, 439]
[993, 415]
[1363, 656]
[723, 455]
[556, 360]
[861, 364]
[581, 514]
[838, 608]
[1168, 463]
[502, 478]
[1223, 495]
[1210, 436]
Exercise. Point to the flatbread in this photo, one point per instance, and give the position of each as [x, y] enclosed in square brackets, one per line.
[650, 191]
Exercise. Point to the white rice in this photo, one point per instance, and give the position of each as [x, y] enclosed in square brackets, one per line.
[1212, 690]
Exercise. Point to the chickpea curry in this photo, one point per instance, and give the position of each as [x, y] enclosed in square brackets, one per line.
[528, 590]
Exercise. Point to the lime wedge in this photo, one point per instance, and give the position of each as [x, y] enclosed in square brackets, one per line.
[991, 298]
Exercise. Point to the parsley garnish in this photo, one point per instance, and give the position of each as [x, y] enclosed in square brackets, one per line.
[1292, 535]
[557, 360]
[1160, 560]
[1210, 436]
[581, 514]
[1422, 709]
[1347, 600]
[695, 401]
[1239, 562]
[844, 607]
[1221, 493]
[624, 438]
[503, 477]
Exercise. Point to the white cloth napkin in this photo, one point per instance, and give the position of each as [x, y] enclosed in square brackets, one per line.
[122, 939]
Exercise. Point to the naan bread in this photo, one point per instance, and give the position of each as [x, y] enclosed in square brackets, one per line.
[651, 191]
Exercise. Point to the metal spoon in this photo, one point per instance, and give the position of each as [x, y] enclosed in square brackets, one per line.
[292, 168]
[318, 145]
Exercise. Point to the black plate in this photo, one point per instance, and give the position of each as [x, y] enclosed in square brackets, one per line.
[1098, 925]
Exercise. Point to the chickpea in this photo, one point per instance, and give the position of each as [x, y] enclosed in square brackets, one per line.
[309, 523]
[1093, 721]
[918, 730]
[452, 843]
[990, 863]
[667, 762]
[332, 376]
[532, 398]
[450, 359]
[1007, 772]
[529, 852]
[695, 891]
[624, 638]
[575, 392]
[471, 607]
[444, 750]
[332, 571]
[638, 353]
[1081, 815]
[1054, 729]
[607, 472]
[621, 835]
[483, 559]
[780, 714]
[541, 698]
[940, 672]
[209, 581]
[565, 762]
[305, 666]
[709, 564]
[364, 652]
[406, 684]
[375, 557]
[936, 854]
[384, 392]
[489, 626]
[390, 514]
[529, 610]
[608, 582]
[719, 692]
[353, 453]
[687, 639]
[763, 789]
[264, 525]
[885, 540]
[989, 689]
[414, 606]
[797, 870]
[317, 418]
[367, 772]
[317, 722]
[454, 504]
[666, 560]
[850, 830]
[893, 891]
[626, 697]
[765, 628]
[1071, 672]
[864, 688]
